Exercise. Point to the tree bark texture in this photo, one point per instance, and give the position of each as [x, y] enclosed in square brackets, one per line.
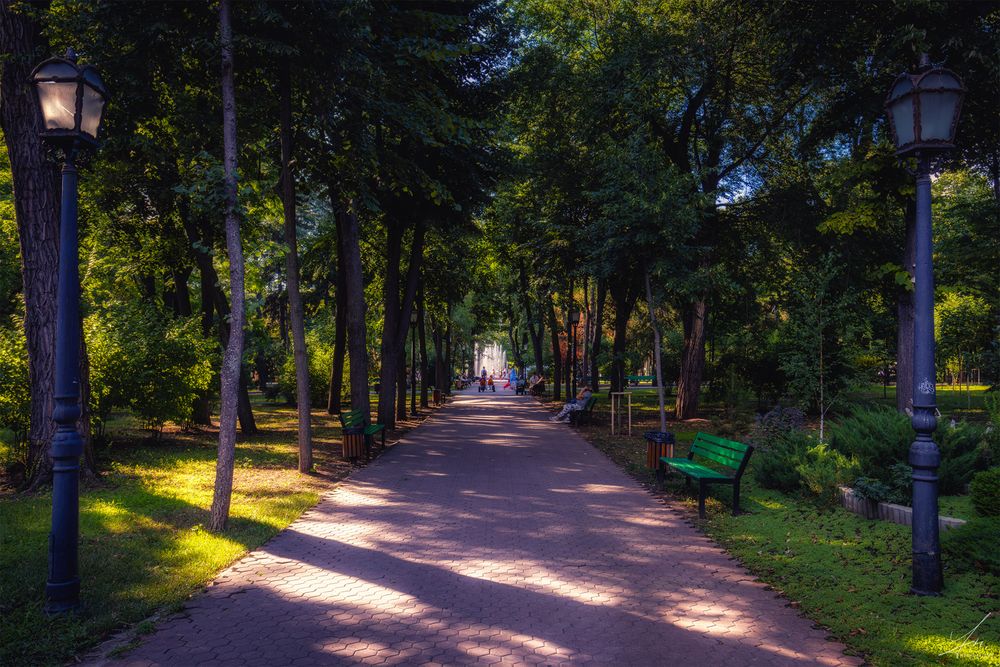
[535, 322]
[396, 320]
[656, 352]
[595, 368]
[694, 318]
[340, 333]
[905, 315]
[302, 393]
[400, 385]
[556, 350]
[624, 294]
[354, 299]
[422, 349]
[36, 207]
[232, 357]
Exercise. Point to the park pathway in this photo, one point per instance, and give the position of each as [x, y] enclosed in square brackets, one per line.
[488, 535]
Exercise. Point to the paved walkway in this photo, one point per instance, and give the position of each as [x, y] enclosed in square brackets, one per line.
[488, 535]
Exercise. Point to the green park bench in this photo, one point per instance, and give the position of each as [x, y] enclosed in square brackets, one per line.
[576, 417]
[354, 422]
[726, 453]
[636, 379]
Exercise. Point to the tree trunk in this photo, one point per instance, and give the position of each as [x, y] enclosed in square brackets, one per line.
[302, 393]
[905, 316]
[556, 351]
[656, 352]
[400, 385]
[692, 359]
[535, 323]
[388, 373]
[595, 369]
[587, 323]
[448, 366]
[442, 380]
[624, 295]
[354, 298]
[232, 357]
[334, 400]
[244, 409]
[396, 320]
[422, 336]
[36, 208]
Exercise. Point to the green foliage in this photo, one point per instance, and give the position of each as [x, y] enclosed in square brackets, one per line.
[963, 328]
[15, 397]
[962, 454]
[320, 354]
[145, 362]
[823, 470]
[973, 547]
[985, 492]
[876, 437]
[780, 446]
[872, 489]
[815, 356]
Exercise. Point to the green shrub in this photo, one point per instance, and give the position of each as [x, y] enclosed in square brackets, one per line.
[877, 438]
[780, 446]
[823, 470]
[15, 394]
[141, 360]
[872, 489]
[775, 466]
[974, 546]
[320, 355]
[961, 456]
[985, 492]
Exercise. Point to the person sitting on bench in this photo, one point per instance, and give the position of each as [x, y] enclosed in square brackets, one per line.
[536, 385]
[581, 400]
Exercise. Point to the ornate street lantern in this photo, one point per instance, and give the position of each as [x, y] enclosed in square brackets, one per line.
[71, 99]
[923, 109]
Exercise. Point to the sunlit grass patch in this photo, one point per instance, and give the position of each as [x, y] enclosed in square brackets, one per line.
[144, 542]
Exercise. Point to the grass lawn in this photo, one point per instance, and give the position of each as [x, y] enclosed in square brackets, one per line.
[144, 546]
[845, 573]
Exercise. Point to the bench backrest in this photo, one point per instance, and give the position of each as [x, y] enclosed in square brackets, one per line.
[589, 405]
[352, 418]
[724, 452]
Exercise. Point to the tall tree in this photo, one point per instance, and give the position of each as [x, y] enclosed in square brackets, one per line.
[297, 316]
[36, 207]
[232, 362]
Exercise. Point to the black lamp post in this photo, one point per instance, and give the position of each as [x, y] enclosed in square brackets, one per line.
[923, 111]
[413, 363]
[71, 101]
[574, 320]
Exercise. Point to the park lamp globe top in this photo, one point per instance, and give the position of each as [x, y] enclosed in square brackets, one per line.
[71, 100]
[574, 317]
[923, 109]
[413, 316]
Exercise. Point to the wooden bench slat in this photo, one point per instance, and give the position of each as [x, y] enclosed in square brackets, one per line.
[717, 456]
[722, 442]
[693, 469]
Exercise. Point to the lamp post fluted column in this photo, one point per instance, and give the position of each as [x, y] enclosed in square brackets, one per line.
[924, 454]
[62, 589]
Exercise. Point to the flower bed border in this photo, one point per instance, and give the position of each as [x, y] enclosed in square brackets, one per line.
[900, 514]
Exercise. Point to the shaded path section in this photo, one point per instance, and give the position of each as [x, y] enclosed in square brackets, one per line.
[488, 536]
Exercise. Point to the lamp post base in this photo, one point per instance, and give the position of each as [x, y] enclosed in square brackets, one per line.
[62, 597]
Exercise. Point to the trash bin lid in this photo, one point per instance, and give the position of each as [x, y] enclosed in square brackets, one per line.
[659, 437]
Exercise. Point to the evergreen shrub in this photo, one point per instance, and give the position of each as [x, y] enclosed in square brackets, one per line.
[973, 547]
[824, 470]
[985, 492]
[780, 445]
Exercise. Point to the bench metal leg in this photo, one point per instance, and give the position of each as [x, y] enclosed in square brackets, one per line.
[661, 473]
[702, 490]
[736, 499]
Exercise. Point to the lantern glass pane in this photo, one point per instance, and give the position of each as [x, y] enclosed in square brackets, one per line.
[902, 119]
[902, 86]
[58, 102]
[936, 113]
[93, 107]
[939, 80]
